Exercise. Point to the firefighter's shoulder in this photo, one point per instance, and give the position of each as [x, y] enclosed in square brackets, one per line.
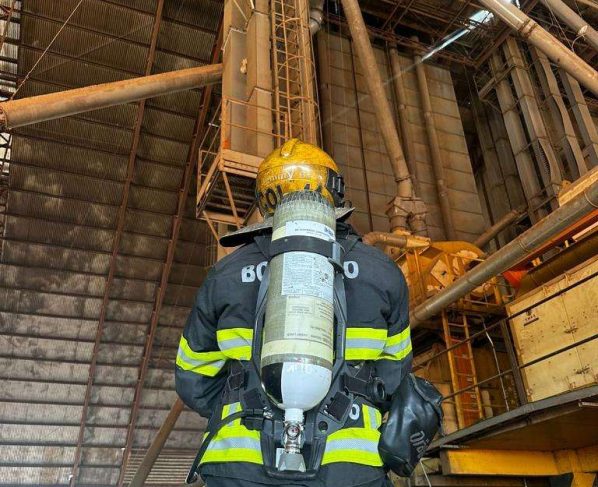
[245, 256]
[376, 264]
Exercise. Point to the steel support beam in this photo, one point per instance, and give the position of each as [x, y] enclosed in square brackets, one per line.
[120, 224]
[523, 463]
[573, 20]
[192, 159]
[509, 255]
[499, 462]
[531, 31]
[27, 111]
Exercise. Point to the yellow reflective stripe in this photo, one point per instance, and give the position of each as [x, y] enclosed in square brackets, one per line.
[373, 333]
[235, 343]
[355, 445]
[235, 444]
[398, 346]
[364, 343]
[203, 363]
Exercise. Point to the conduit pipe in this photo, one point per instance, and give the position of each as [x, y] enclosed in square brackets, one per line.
[27, 111]
[396, 240]
[509, 255]
[316, 16]
[573, 20]
[531, 31]
[380, 103]
[434, 146]
[499, 226]
[401, 95]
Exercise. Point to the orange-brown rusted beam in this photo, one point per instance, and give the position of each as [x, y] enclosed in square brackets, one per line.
[35, 109]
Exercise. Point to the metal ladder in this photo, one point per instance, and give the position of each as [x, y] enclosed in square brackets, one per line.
[293, 70]
[462, 369]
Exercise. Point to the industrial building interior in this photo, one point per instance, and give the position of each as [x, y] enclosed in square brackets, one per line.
[467, 134]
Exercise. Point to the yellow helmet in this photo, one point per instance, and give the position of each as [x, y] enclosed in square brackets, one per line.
[297, 166]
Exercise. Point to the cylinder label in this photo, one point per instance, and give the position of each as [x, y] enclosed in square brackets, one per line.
[307, 274]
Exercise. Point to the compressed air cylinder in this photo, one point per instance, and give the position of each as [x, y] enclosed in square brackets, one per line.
[298, 338]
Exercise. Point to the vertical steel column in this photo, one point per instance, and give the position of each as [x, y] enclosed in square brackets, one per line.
[536, 35]
[404, 124]
[120, 224]
[585, 123]
[558, 112]
[380, 103]
[434, 147]
[518, 141]
[545, 157]
[570, 17]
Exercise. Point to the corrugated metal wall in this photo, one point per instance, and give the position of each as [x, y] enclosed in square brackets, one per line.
[66, 186]
[358, 147]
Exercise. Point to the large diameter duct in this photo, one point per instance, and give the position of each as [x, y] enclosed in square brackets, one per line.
[573, 20]
[510, 254]
[380, 103]
[549, 45]
[27, 111]
[297, 349]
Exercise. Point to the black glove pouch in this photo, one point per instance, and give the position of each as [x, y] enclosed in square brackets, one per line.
[414, 419]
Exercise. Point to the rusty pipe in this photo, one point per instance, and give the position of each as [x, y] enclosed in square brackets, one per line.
[380, 104]
[404, 123]
[573, 20]
[510, 254]
[27, 111]
[434, 146]
[533, 33]
[499, 226]
[398, 241]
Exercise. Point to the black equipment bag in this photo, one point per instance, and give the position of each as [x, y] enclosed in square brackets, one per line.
[413, 420]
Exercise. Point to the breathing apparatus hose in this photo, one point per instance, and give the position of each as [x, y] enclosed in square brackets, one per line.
[193, 475]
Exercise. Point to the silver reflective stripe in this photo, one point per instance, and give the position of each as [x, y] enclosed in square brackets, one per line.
[233, 408]
[369, 343]
[235, 442]
[398, 347]
[200, 363]
[373, 419]
[233, 343]
[355, 444]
